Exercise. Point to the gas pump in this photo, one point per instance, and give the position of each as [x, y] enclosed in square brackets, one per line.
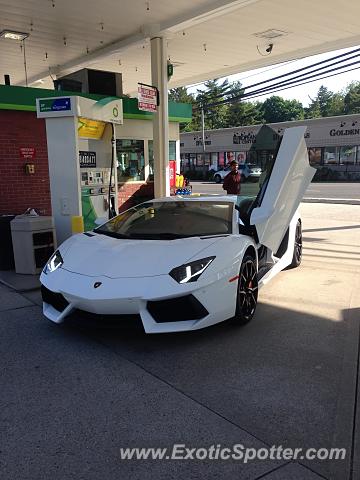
[97, 173]
[81, 152]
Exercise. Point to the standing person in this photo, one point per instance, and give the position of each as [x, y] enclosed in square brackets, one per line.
[232, 180]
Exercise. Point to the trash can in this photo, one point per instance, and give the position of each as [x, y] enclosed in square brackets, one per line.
[33, 242]
[6, 248]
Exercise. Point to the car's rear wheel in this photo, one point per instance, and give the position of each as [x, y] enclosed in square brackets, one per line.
[297, 255]
[247, 292]
[217, 179]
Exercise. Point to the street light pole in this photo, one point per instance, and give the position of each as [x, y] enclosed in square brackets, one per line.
[203, 137]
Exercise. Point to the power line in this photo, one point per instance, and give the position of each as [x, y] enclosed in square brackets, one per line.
[300, 70]
[254, 95]
[270, 88]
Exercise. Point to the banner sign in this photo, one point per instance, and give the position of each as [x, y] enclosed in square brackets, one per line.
[87, 159]
[88, 128]
[147, 98]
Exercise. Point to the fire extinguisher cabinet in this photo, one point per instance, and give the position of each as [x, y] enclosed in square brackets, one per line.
[33, 241]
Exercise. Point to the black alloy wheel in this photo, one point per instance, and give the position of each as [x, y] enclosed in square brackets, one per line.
[297, 255]
[247, 293]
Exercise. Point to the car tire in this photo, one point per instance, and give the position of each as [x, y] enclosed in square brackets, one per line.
[297, 255]
[247, 291]
[217, 179]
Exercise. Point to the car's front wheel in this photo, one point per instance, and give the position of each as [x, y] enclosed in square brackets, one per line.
[247, 292]
[217, 179]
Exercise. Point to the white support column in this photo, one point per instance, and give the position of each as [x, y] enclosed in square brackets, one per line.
[161, 118]
[64, 172]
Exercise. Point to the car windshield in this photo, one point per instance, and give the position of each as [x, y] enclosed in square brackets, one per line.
[170, 220]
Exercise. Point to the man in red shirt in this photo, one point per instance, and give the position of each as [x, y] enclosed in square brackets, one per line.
[232, 180]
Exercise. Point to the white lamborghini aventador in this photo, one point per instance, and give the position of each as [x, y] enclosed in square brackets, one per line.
[185, 263]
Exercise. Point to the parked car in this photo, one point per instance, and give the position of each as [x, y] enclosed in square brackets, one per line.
[248, 171]
[181, 263]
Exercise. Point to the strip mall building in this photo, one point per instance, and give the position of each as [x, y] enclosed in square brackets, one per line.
[333, 144]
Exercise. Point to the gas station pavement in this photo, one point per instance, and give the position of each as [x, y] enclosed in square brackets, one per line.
[72, 396]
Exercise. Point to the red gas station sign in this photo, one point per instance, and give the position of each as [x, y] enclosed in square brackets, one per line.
[27, 153]
[147, 98]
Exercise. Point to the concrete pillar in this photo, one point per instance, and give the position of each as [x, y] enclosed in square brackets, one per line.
[64, 172]
[161, 118]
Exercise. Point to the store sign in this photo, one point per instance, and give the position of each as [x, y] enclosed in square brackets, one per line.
[54, 104]
[27, 153]
[341, 132]
[244, 138]
[90, 128]
[147, 98]
[87, 159]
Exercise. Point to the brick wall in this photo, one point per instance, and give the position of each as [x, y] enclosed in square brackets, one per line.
[19, 191]
[131, 194]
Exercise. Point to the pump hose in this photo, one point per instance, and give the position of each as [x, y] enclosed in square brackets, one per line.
[112, 211]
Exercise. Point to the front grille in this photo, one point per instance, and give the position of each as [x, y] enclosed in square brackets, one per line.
[177, 309]
[54, 299]
[105, 321]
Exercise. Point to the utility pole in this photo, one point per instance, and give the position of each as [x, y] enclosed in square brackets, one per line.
[203, 137]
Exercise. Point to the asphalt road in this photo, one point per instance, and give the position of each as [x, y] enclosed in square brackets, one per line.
[334, 191]
[72, 396]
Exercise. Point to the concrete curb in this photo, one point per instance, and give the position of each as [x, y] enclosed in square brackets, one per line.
[342, 201]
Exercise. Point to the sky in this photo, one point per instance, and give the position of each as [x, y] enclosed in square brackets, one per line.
[303, 93]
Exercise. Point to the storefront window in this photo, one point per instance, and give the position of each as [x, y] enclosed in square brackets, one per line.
[172, 150]
[214, 161]
[200, 159]
[241, 157]
[331, 156]
[130, 160]
[347, 155]
[172, 156]
[315, 156]
[221, 159]
[252, 157]
[192, 161]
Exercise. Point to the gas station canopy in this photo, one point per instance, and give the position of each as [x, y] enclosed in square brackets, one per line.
[205, 39]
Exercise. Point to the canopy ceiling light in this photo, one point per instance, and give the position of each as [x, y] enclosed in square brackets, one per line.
[13, 35]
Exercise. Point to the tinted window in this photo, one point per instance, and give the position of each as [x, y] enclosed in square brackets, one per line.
[170, 220]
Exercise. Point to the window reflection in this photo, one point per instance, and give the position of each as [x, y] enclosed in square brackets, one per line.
[130, 160]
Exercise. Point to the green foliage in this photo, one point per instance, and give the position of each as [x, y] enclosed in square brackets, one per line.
[277, 109]
[273, 109]
[352, 98]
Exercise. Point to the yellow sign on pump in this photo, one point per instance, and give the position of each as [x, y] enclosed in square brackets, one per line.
[90, 128]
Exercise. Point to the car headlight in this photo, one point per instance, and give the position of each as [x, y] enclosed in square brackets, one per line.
[191, 271]
[54, 262]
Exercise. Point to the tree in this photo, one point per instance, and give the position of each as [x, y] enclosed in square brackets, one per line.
[240, 112]
[181, 95]
[324, 97]
[352, 98]
[215, 117]
[313, 110]
[277, 109]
